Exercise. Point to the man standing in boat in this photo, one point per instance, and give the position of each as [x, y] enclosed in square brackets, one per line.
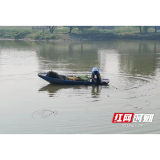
[95, 71]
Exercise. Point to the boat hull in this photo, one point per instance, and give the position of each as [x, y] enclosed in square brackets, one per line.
[68, 82]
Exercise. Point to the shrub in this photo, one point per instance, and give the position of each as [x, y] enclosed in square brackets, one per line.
[21, 34]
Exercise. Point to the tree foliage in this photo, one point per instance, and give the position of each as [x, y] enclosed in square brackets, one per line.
[70, 27]
[144, 28]
[80, 28]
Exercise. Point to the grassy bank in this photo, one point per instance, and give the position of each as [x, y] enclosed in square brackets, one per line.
[62, 33]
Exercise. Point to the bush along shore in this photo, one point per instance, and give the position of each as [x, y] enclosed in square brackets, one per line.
[62, 34]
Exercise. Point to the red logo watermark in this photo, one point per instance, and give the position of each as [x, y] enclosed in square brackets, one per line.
[122, 117]
[128, 117]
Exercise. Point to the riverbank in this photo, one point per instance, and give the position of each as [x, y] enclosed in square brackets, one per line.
[62, 34]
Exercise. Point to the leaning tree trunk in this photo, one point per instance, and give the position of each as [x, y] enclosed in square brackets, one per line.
[70, 29]
[155, 29]
[145, 28]
[52, 28]
[140, 28]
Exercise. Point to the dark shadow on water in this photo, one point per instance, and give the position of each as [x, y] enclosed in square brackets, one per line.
[52, 89]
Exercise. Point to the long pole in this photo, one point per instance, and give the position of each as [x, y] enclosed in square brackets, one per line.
[113, 86]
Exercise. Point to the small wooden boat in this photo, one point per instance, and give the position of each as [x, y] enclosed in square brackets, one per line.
[64, 80]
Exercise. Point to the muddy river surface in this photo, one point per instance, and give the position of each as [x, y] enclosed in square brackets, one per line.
[28, 104]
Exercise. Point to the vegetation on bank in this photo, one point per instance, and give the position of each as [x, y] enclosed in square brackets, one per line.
[80, 32]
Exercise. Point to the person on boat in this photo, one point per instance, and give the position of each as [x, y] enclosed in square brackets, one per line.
[95, 71]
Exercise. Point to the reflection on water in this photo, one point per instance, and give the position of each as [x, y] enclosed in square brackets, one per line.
[69, 56]
[132, 66]
[96, 90]
[53, 89]
[140, 59]
[135, 58]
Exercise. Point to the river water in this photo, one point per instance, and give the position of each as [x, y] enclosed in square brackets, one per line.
[28, 104]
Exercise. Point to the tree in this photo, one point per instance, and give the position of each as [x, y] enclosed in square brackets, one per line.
[81, 28]
[140, 28]
[70, 27]
[52, 28]
[144, 28]
[155, 29]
